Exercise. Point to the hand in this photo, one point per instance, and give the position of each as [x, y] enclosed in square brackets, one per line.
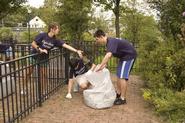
[99, 67]
[80, 53]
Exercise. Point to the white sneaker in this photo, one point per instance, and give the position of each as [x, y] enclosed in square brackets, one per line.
[68, 96]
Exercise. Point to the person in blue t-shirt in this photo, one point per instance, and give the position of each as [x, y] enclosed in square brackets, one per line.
[42, 44]
[126, 53]
[79, 66]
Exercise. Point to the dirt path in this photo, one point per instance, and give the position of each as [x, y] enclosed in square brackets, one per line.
[57, 109]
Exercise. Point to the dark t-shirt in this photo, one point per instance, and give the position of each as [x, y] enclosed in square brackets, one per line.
[46, 42]
[81, 69]
[121, 49]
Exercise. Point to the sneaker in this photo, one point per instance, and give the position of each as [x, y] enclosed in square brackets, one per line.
[119, 101]
[117, 97]
[68, 96]
[76, 87]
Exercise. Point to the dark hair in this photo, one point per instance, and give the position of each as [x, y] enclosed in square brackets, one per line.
[99, 33]
[53, 25]
[73, 62]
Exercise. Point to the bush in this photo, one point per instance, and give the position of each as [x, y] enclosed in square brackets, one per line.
[164, 78]
[5, 33]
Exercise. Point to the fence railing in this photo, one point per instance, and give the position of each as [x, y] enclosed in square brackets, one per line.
[25, 83]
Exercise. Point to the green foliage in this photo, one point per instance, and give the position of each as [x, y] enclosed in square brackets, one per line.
[164, 79]
[25, 36]
[5, 33]
[9, 6]
[167, 103]
[114, 6]
[21, 16]
[170, 13]
[87, 36]
[74, 22]
[48, 12]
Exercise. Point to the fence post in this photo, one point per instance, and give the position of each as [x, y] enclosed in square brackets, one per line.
[39, 84]
[66, 55]
[2, 95]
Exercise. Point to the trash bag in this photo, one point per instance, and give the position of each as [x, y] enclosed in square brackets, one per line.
[102, 93]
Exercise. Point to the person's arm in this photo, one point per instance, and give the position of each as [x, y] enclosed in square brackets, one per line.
[73, 49]
[35, 46]
[104, 61]
[93, 67]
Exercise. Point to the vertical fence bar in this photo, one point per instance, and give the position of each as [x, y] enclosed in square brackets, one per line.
[2, 94]
[8, 102]
[66, 55]
[39, 85]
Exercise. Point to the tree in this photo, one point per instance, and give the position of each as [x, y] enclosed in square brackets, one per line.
[48, 11]
[113, 5]
[9, 6]
[170, 13]
[21, 16]
[74, 17]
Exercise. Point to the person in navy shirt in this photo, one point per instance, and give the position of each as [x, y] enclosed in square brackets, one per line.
[79, 66]
[42, 44]
[126, 53]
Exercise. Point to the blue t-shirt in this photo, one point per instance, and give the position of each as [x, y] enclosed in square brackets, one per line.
[46, 42]
[121, 49]
[81, 69]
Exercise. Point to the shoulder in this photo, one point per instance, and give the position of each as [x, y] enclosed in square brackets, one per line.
[42, 35]
[112, 41]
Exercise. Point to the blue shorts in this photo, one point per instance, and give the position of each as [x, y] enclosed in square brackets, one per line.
[124, 68]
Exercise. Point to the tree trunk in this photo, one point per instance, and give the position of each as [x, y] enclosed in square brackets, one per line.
[117, 14]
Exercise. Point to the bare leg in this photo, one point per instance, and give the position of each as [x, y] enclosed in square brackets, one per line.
[27, 75]
[70, 85]
[43, 73]
[123, 86]
[118, 86]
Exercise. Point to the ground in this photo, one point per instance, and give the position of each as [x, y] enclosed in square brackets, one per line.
[58, 109]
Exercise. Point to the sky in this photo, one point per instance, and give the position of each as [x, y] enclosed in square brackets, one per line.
[36, 3]
[142, 7]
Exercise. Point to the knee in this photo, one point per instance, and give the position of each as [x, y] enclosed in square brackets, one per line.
[83, 86]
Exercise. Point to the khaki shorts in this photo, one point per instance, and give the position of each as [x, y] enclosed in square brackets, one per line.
[81, 79]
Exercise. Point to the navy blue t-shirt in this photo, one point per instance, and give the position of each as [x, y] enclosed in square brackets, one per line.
[121, 49]
[81, 69]
[46, 42]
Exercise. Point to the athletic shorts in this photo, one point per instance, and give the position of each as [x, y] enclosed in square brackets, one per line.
[124, 68]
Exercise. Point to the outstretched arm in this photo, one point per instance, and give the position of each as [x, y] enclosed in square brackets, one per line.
[73, 49]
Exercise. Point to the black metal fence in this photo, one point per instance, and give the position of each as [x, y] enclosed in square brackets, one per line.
[25, 83]
[97, 53]
[12, 51]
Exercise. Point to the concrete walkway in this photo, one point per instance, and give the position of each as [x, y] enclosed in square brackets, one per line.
[57, 109]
